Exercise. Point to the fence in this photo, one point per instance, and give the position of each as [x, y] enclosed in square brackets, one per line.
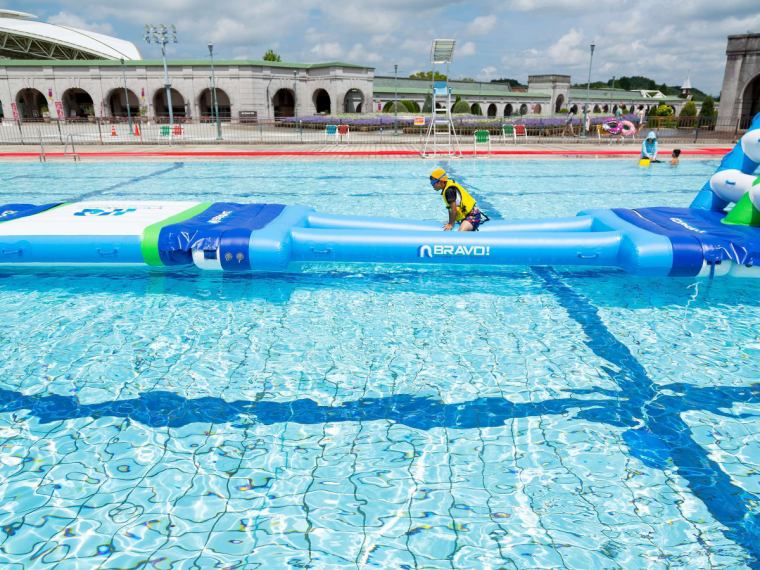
[379, 130]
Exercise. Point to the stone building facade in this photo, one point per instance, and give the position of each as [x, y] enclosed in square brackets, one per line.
[245, 89]
[740, 95]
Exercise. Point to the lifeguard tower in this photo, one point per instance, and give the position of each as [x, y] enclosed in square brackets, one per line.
[441, 138]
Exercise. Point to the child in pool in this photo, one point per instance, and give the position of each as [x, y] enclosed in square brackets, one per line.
[674, 157]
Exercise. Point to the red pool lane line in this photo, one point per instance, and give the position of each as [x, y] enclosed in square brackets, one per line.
[706, 151]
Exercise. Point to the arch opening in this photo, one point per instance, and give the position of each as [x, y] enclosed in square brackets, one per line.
[206, 105]
[31, 104]
[77, 104]
[558, 103]
[508, 110]
[322, 103]
[161, 109]
[492, 110]
[353, 101]
[118, 103]
[284, 103]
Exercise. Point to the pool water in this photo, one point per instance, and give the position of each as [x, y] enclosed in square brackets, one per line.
[377, 417]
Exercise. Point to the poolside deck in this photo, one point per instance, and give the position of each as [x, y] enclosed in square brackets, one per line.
[374, 151]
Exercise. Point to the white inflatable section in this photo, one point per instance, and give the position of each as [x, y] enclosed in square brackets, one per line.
[731, 184]
[729, 268]
[754, 196]
[96, 218]
[201, 262]
[751, 144]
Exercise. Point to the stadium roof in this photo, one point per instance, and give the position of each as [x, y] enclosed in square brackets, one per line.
[23, 37]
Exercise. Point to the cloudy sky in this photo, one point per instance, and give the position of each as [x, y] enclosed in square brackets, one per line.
[663, 39]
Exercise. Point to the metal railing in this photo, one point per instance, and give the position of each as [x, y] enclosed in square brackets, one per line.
[362, 130]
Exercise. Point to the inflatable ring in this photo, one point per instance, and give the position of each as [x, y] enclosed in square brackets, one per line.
[627, 129]
[612, 126]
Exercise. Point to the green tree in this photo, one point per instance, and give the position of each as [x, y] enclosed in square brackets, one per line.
[708, 108]
[399, 107]
[411, 106]
[689, 110]
[271, 55]
[624, 83]
[461, 106]
[664, 111]
[427, 106]
[476, 110]
[428, 76]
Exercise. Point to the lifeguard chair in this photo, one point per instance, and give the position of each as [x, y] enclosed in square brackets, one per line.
[441, 138]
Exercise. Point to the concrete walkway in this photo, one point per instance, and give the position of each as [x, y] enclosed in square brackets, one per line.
[326, 151]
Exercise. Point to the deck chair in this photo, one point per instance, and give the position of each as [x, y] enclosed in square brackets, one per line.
[521, 131]
[508, 131]
[330, 131]
[343, 132]
[482, 137]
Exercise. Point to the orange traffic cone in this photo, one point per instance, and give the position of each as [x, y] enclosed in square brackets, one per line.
[113, 130]
[137, 129]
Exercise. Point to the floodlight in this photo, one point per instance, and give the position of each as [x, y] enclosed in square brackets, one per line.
[442, 51]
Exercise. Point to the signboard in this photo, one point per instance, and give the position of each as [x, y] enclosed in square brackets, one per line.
[59, 110]
[15, 111]
[419, 121]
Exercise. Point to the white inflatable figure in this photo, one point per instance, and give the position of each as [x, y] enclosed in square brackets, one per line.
[751, 148]
[731, 184]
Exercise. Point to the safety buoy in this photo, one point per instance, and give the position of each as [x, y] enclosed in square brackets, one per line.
[627, 129]
[612, 127]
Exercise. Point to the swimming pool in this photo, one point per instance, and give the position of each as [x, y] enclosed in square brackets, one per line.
[377, 416]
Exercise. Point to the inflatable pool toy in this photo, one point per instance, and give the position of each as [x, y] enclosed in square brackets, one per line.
[644, 162]
[612, 126]
[702, 240]
[615, 127]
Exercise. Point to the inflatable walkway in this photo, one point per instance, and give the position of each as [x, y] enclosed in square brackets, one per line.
[702, 240]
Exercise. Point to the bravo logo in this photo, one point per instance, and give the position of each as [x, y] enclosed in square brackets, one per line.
[454, 250]
[104, 211]
[686, 225]
[220, 217]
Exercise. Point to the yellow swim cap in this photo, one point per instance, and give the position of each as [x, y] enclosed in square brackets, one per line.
[439, 174]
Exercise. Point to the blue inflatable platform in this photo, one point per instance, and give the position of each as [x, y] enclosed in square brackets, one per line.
[702, 240]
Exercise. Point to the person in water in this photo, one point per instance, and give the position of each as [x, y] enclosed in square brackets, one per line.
[649, 147]
[674, 157]
[462, 207]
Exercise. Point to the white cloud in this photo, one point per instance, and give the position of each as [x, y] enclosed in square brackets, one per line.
[328, 50]
[74, 21]
[359, 54]
[466, 49]
[481, 25]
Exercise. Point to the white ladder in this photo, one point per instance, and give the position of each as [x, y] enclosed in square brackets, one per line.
[441, 139]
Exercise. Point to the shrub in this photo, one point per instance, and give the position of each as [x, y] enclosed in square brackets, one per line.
[399, 107]
[689, 110]
[476, 110]
[664, 110]
[411, 106]
[461, 107]
[708, 108]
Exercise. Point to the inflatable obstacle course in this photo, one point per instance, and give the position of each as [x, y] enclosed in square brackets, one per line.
[702, 240]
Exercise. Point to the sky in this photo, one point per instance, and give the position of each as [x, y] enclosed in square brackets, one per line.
[662, 39]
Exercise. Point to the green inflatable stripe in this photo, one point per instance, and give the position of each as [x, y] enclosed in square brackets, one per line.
[149, 241]
[743, 213]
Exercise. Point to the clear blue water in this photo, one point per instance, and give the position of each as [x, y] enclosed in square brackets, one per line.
[377, 417]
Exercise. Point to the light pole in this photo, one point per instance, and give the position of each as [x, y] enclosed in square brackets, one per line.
[214, 100]
[588, 89]
[395, 99]
[126, 95]
[295, 87]
[162, 35]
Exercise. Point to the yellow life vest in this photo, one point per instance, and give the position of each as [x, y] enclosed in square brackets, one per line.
[465, 202]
